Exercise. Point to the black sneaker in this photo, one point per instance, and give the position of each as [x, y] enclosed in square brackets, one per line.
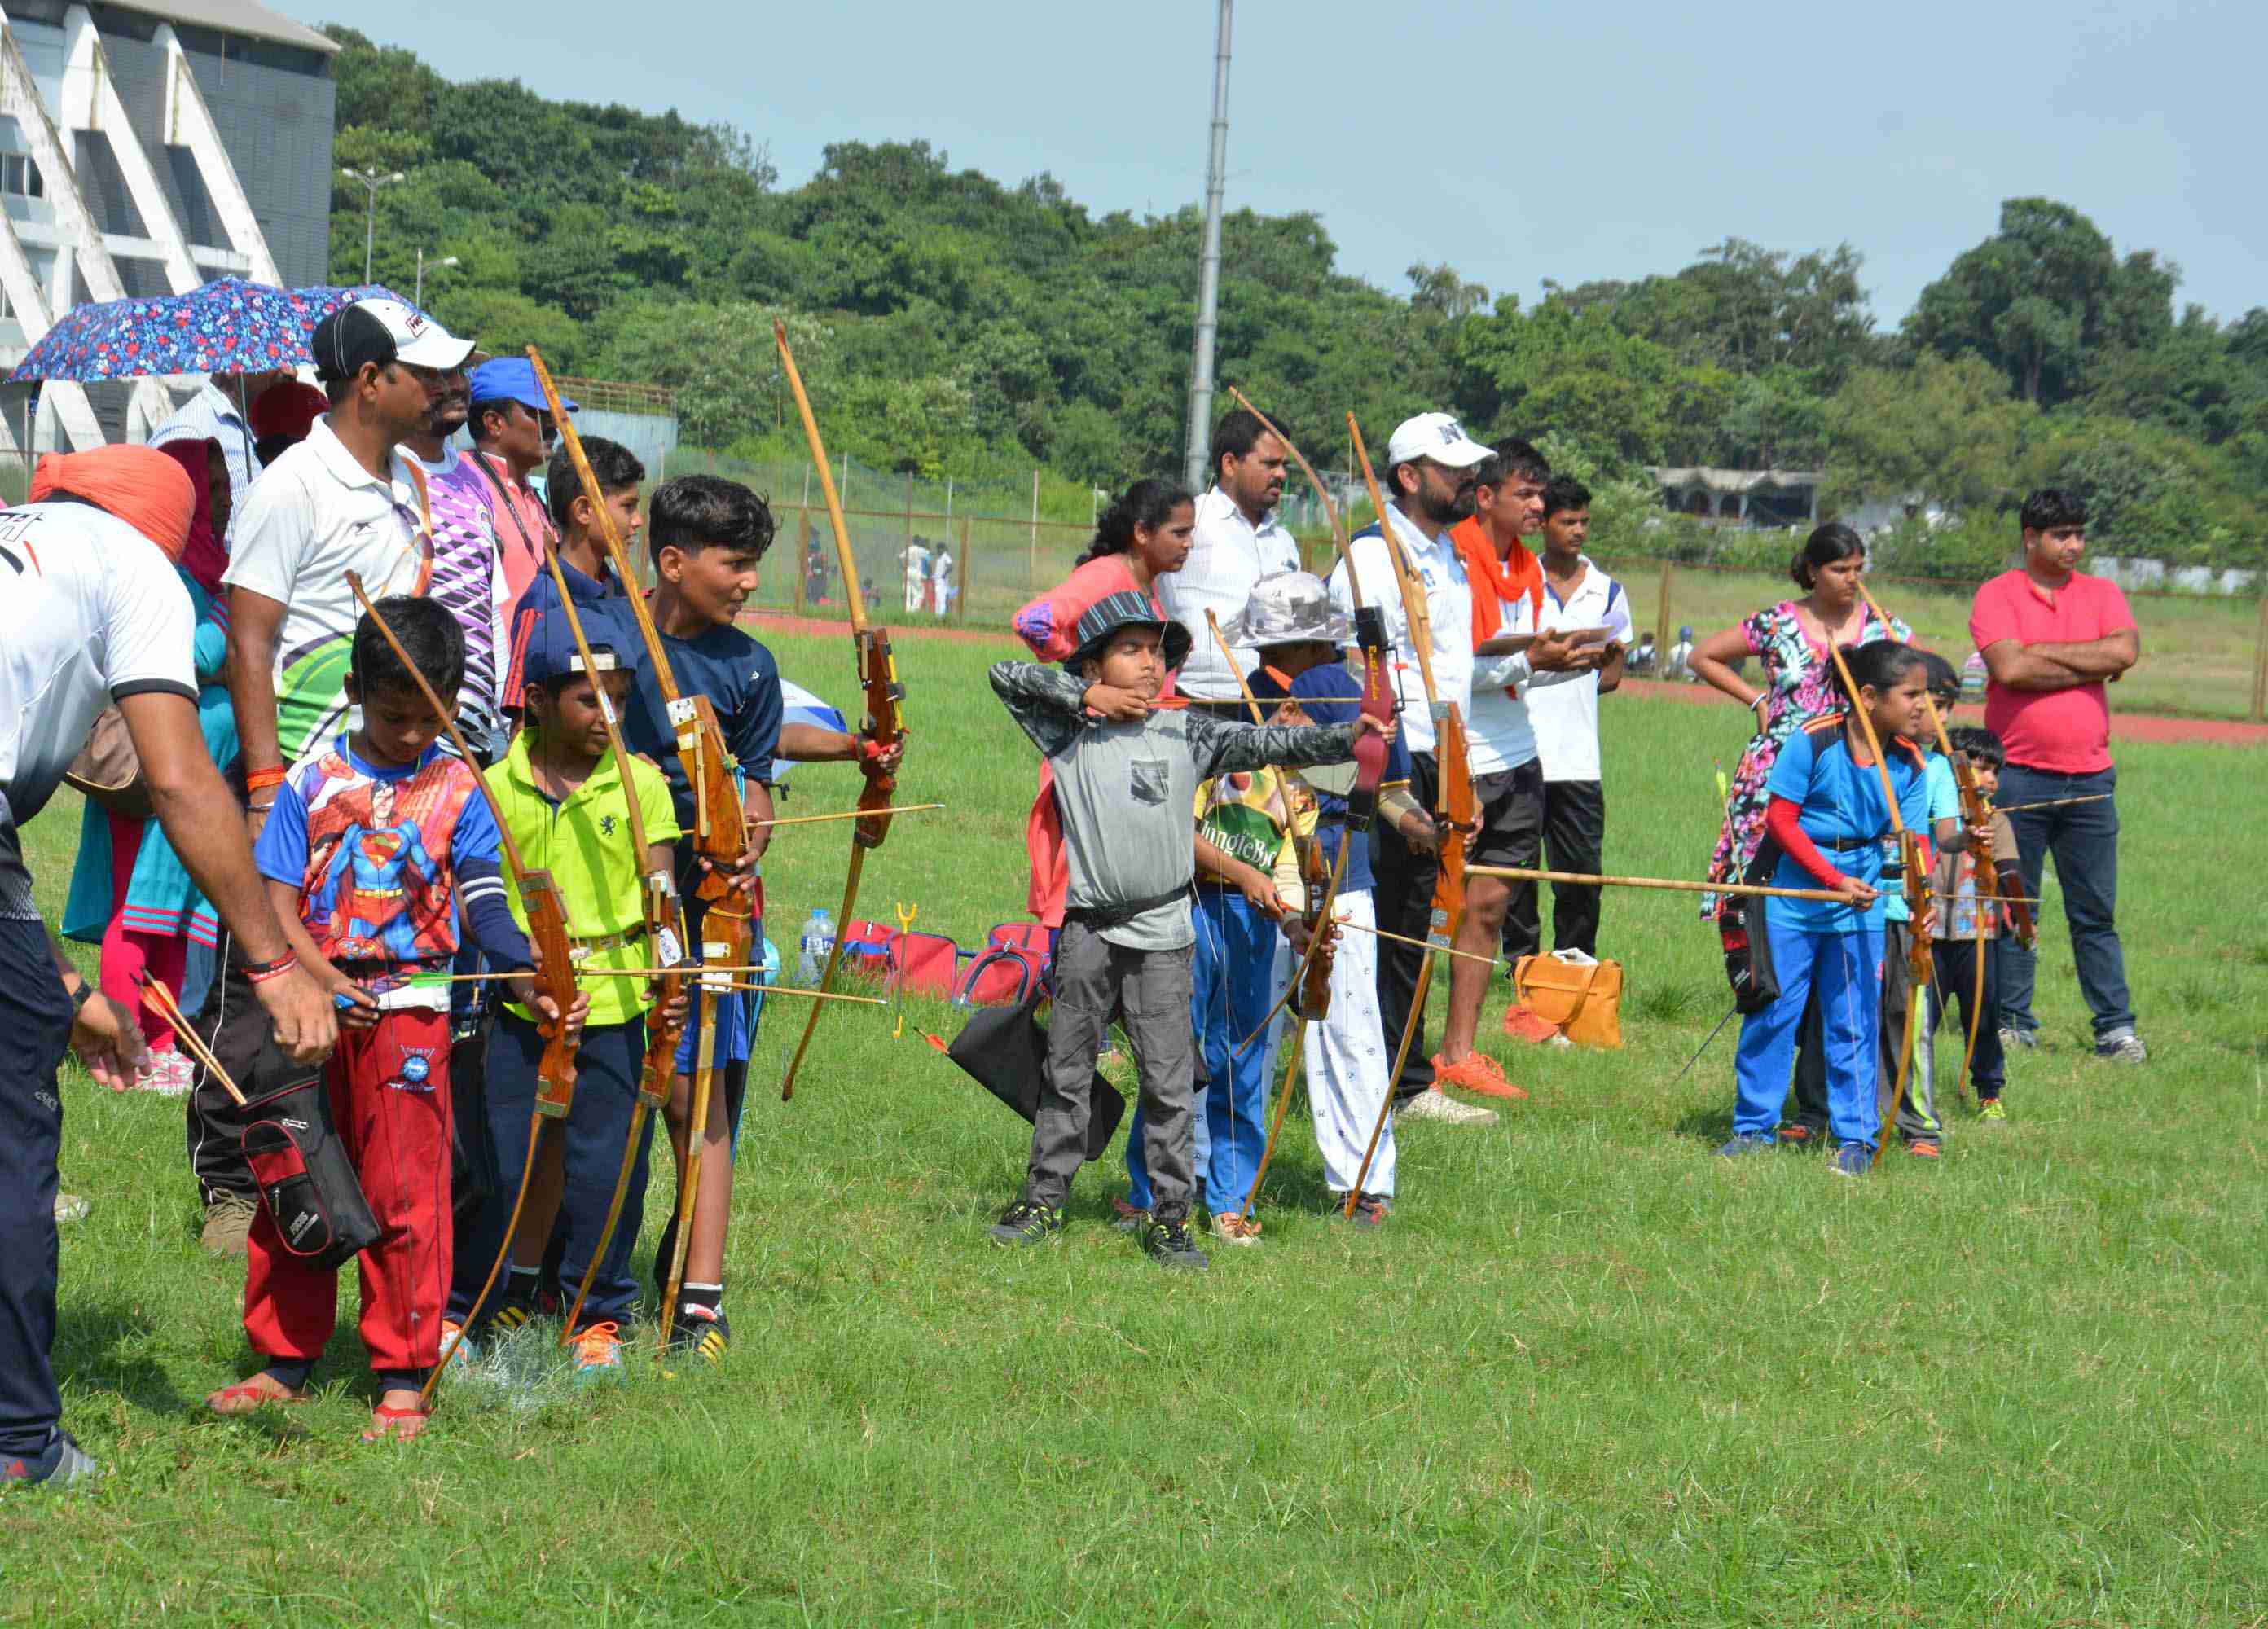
[1170, 1245]
[700, 1331]
[1025, 1222]
[62, 1462]
[516, 1310]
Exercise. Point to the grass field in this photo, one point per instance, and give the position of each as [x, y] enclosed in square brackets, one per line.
[1588, 1374]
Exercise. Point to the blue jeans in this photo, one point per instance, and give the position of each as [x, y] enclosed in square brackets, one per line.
[1844, 968]
[2084, 839]
[597, 1130]
[1232, 982]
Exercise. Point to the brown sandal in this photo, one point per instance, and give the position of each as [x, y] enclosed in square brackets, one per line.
[249, 1396]
[390, 1424]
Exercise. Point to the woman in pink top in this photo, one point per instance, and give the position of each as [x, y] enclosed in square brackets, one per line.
[1141, 537]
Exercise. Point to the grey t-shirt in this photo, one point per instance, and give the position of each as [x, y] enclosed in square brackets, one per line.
[1127, 792]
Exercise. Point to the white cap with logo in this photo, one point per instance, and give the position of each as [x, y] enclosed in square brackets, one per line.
[1437, 437]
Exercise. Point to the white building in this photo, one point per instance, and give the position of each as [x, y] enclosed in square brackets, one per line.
[144, 149]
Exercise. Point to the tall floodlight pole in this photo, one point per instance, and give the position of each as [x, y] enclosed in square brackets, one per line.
[1209, 265]
[372, 180]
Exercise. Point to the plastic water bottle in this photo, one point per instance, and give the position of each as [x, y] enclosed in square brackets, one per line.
[806, 965]
[825, 922]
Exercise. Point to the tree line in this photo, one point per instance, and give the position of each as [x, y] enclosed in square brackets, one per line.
[953, 326]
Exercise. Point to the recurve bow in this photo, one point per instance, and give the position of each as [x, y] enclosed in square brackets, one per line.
[878, 677]
[555, 973]
[1455, 807]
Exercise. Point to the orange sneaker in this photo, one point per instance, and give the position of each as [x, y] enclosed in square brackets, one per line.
[1474, 1072]
[1520, 1024]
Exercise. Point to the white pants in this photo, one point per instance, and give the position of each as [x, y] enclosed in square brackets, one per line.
[916, 593]
[1346, 1060]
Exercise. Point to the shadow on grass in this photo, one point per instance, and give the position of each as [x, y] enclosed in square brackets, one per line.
[106, 1347]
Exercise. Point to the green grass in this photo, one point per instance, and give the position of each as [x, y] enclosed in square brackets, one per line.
[1587, 1375]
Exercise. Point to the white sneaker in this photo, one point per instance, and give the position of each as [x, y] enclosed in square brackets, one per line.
[1433, 1103]
[2123, 1049]
[171, 1074]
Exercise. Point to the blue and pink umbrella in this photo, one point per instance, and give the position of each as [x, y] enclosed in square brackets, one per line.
[228, 326]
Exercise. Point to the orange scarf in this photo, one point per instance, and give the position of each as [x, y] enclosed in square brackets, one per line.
[1497, 583]
[141, 486]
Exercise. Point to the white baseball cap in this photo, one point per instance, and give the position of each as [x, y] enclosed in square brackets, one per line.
[383, 331]
[1435, 436]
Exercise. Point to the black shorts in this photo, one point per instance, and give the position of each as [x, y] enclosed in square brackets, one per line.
[1511, 815]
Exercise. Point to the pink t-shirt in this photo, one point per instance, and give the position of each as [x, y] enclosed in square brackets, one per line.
[2066, 731]
[521, 530]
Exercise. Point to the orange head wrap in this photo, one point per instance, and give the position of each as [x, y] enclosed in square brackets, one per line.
[143, 487]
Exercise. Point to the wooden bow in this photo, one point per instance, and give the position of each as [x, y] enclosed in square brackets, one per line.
[1455, 807]
[720, 834]
[878, 677]
[1916, 875]
[555, 973]
[1378, 700]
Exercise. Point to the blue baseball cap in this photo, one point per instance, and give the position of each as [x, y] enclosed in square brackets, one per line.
[512, 379]
[551, 655]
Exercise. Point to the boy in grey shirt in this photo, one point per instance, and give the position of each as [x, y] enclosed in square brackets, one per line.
[1126, 775]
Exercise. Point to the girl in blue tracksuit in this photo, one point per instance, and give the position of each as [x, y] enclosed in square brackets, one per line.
[1829, 823]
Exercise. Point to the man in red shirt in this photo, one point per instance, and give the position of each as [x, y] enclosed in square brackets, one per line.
[2051, 638]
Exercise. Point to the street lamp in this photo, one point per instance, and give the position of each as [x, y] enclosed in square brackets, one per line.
[418, 300]
[372, 180]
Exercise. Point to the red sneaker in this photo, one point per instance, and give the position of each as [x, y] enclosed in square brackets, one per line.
[1474, 1072]
[1522, 1024]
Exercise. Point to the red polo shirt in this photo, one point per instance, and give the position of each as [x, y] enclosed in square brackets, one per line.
[2066, 731]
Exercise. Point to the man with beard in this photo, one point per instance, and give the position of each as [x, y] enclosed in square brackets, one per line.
[1429, 479]
[1508, 584]
[1238, 541]
[467, 577]
[345, 500]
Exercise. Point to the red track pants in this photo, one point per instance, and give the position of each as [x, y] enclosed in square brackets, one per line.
[390, 1102]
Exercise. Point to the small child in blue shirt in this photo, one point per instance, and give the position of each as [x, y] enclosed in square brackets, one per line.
[1827, 821]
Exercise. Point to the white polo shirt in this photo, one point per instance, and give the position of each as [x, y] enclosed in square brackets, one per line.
[1566, 716]
[1227, 555]
[90, 611]
[313, 515]
[1448, 606]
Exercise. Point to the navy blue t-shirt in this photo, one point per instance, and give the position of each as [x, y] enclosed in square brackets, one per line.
[737, 674]
[1332, 694]
[591, 594]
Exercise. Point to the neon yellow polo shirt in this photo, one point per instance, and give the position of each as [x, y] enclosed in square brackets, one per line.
[584, 843]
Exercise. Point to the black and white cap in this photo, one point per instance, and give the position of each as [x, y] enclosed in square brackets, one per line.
[382, 332]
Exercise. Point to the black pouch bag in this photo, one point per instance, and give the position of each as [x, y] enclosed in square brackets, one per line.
[305, 1180]
[1004, 1051]
[1748, 941]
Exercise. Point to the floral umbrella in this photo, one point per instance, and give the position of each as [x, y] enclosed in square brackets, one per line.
[228, 326]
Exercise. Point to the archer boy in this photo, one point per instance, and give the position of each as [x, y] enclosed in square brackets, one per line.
[706, 536]
[1126, 775]
[583, 560]
[564, 800]
[376, 847]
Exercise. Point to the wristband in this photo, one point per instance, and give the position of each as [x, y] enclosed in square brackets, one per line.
[260, 972]
[259, 808]
[1762, 697]
[82, 995]
[260, 780]
[870, 750]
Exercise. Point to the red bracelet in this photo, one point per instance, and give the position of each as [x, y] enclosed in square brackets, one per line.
[260, 972]
[260, 780]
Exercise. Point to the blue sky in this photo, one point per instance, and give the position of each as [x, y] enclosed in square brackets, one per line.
[1569, 142]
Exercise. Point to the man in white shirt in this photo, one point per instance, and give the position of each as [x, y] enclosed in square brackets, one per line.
[344, 500]
[93, 616]
[940, 580]
[1508, 779]
[1576, 595]
[916, 558]
[1429, 480]
[1238, 541]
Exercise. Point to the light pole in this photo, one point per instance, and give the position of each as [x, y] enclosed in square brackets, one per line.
[372, 182]
[418, 299]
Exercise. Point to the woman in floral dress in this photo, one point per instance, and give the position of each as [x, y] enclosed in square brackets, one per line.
[1791, 640]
